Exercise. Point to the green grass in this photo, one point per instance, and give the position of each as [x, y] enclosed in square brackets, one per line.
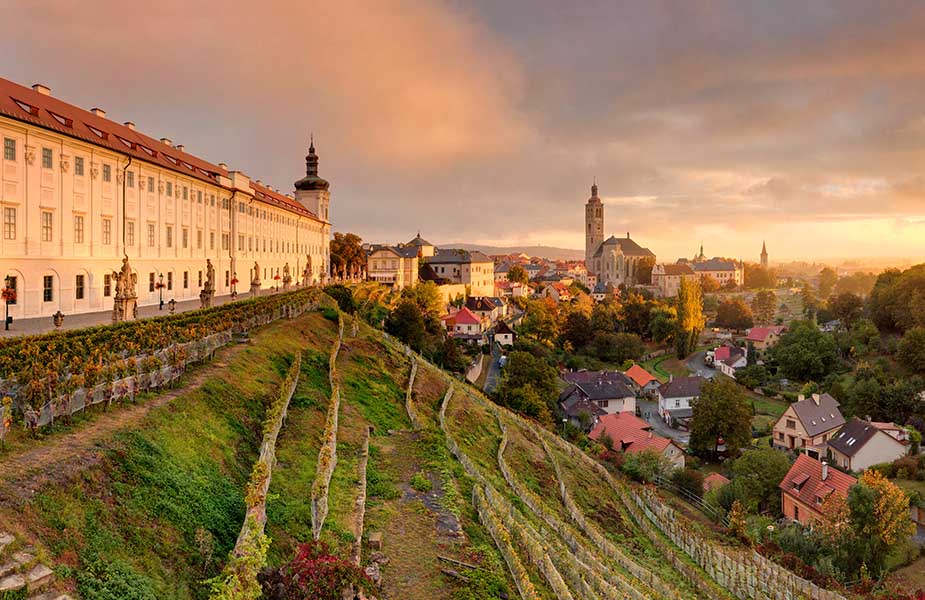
[370, 379]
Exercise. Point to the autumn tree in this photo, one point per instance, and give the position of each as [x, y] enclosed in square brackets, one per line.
[347, 254]
[734, 314]
[721, 412]
[541, 320]
[764, 305]
[644, 270]
[690, 317]
[709, 284]
[576, 330]
[606, 315]
[517, 274]
[879, 519]
[758, 277]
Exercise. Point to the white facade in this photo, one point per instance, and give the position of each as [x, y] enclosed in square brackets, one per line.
[72, 208]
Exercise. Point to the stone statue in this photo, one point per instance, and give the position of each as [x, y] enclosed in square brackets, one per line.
[256, 279]
[307, 271]
[125, 302]
[127, 279]
[287, 276]
[210, 276]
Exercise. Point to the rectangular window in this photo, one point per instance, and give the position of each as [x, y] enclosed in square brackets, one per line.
[200, 278]
[199, 196]
[46, 158]
[79, 166]
[199, 239]
[224, 241]
[107, 232]
[150, 185]
[170, 236]
[79, 288]
[169, 188]
[250, 244]
[226, 279]
[9, 149]
[48, 282]
[185, 193]
[169, 280]
[152, 235]
[47, 217]
[130, 233]
[107, 285]
[225, 203]
[107, 173]
[185, 238]
[211, 240]
[241, 243]
[13, 284]
[791, 424]
[212, 200]
[9, 223]
[78, 229]
[130, 179]
[185, 279]
[150, 282]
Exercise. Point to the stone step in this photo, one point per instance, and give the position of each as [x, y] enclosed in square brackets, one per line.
[23, 558]
[52, 595]
[5, 540]
[11, 583]
[39, 576]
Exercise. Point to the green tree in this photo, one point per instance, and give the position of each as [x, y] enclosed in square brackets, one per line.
[764, 305]
[847, 308]
[690, 317]
[804, 353]
[517, 274]
[605, 316]
[864, 338]
[618, 348]
[637, 314]
[523, 369]
[577, 330]
[752, 376]
[721, 412]
[911, 350]
[646, 466]
[663, 324]
[757, 277]
[406, 323]
[426, 295]
[347, 253]
[540, 321]
[343, 295]
[757, 473]
[689, 480]
[734, 314]
[859, 284]
[827, 280]
[449, 357]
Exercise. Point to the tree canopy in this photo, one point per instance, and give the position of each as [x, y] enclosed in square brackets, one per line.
[721, 412]
[804, 353]
[757, 475]
[517, 274]
[734, 314]
[690, 317]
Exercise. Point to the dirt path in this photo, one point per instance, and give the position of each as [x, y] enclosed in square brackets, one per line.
[60, 457]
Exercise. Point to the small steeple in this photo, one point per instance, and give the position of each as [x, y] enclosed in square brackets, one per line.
[594, 188]
[311, 161]
[311, 181]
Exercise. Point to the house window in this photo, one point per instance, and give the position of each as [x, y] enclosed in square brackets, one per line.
[9, 149]
[169, 236]
[601, 403]
[780, 435]
[185, 238]
[46, 225]
[130, 179]
[107, 232]
[9, 223]
[107, 285]
[212, 200]
[79, 287]
[150, 185]
[250, 244]
[150, 282]
[199, 196]
[226, 203]
[78, 229]
[200, 278]
[224, 241]
[211, 240]
[46, 158]
[12, 283]
[791, 424]
[130, 233]
[107, 173]
[185, 279]
[152, 235]
[185, 193]
[240, 242]
[169, 280]
[79, 166]
[169, 188]
[199, 239]
[226, 279]
[48, 282]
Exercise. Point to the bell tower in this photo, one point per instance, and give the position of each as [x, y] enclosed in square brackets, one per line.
[594, 226]
[764, 255]
[312, 191]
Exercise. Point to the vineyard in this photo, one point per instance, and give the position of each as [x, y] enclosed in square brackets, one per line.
[325, 428]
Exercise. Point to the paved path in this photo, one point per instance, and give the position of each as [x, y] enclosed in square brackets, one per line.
[649, 411]
[698, 367]
[37, 325]
[494, 370]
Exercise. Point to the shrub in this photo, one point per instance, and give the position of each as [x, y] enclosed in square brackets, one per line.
[330, 314]
[645, 466]
[421, 482]
[689, 480]
[313, 573]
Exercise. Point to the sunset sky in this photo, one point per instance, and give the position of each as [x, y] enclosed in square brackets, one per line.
[802, 123]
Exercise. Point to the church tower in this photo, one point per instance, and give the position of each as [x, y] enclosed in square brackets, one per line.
[594, 226]
[764, 255]
[312, 191]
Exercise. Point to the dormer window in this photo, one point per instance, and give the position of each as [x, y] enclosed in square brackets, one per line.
[32, 110]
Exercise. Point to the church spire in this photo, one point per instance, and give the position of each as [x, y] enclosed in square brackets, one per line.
[311, 161]
[311, 181]
[594, 188]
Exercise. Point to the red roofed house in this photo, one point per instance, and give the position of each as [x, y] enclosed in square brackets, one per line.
[557, 291]
[463, 324]
[631, 434]
[806, 486]
[763, 338]
[714, 481]
[729, 359]
[645, 381]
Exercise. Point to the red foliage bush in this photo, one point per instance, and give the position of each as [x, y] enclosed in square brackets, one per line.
[314, 574]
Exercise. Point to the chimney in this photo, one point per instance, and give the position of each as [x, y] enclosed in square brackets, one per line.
[627, 235]
[166, 141]
[825, 470]
[816, 399]
[180, 147]
[223, 166]
[42, 89]
[130, 125]
[99, 112]
[670, 378]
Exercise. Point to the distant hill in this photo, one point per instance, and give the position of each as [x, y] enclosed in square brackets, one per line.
[549, 252]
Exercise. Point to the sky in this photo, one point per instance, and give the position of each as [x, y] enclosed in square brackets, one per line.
[799, 123]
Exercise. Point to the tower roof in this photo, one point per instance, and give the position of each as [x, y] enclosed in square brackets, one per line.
[311, 181]
[594, 197]
[764, 248]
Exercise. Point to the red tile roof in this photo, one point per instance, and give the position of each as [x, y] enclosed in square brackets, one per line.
[629, 433]
[466, 317]
[713, 481]
[29, 106]
[760, 334]
[721, 353]
[640, 376]
[804, 481]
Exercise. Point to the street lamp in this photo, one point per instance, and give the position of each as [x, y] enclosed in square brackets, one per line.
[9, 295]
[234, 283]
[160, 289]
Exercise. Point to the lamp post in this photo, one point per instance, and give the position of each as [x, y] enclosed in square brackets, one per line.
[160, 289]
[9, 295]
[234, 284]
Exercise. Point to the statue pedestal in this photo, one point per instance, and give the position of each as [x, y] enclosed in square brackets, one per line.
[205, 298]
[124, 309]
[255, 288]
[286, 286]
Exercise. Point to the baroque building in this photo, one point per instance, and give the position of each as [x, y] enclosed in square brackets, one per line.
[78, 192]
[613, 261]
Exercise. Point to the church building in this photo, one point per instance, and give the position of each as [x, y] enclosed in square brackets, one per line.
[615, 260]
[79, 192]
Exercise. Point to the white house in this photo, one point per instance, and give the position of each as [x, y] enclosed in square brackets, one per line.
[729, 359]
[675, 398]
[861, 444]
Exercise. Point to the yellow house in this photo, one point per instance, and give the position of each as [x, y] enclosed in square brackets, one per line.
[393, 265]
[808, 424]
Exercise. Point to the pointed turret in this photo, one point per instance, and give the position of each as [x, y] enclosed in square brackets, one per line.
[311, 181]
[764, 255]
